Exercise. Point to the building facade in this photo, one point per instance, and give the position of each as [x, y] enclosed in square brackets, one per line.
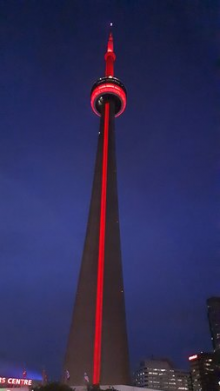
[205, 372]
[97, 346]
[213, 305]
[160, 374]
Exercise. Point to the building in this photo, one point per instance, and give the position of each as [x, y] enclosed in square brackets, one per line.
[160, 374]
[97, 343]
[205, 372]
[213, 304]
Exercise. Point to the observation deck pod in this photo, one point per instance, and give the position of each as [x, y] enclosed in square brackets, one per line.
[108, 87]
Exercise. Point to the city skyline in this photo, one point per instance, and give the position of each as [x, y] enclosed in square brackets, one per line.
[167, 149]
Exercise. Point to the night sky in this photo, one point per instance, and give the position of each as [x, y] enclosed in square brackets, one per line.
[168, 170]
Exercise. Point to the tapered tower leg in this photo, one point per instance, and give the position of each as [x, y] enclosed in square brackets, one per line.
[115, 362]
[101, 256]
[80, 346]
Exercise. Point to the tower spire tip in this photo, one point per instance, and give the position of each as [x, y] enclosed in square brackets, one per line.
[110, 55]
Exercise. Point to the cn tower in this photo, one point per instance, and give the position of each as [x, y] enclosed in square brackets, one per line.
[97, 341]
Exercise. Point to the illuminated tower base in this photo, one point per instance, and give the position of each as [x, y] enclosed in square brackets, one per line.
[97, 342]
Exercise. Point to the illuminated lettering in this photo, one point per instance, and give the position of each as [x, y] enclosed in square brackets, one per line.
[15, 381]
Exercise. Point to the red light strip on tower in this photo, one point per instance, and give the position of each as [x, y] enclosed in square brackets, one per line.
[101, 258]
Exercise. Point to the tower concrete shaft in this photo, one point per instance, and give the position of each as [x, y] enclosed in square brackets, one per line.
[98, 342]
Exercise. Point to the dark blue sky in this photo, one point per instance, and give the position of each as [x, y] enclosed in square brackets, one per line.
[168, 170]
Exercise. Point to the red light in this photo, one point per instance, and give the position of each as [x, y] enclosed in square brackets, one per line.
[108, 88]
[101, 258]
[110, 57]
[193, 357]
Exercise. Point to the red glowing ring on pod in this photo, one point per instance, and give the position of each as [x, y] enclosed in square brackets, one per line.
[108, 89]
